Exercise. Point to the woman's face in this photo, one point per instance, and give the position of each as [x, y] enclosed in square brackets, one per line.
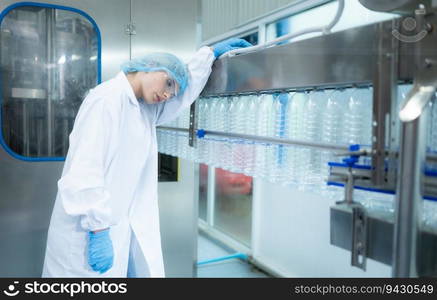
[156, 87]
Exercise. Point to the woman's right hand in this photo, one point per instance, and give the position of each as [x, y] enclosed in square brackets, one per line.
[100, 250]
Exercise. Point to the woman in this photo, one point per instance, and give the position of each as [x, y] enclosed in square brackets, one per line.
[105, 221]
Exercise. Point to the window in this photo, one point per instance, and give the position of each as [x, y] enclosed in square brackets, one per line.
[354, 15]
[251, 38]
[50, 58]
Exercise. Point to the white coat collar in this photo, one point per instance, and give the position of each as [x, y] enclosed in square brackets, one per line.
[128, 88]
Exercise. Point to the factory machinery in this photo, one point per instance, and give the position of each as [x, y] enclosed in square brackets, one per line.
[382, 59]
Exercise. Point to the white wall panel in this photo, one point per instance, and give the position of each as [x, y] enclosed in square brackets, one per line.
[220, 16]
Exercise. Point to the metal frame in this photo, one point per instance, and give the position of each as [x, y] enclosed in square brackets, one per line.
[263, 20]
[381, 246]
[385, 76]
[3, 13]
[316, 63]
[264, 140]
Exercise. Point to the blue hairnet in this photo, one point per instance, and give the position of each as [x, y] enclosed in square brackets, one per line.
[154, 62]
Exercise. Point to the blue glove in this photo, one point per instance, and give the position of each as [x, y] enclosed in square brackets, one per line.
[228, 45]
[100, 251]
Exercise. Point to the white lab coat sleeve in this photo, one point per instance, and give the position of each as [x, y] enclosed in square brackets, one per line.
[199, 69]
[82, 185]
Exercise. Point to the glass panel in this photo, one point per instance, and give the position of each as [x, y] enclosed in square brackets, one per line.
[233, 205]
[48, 63]
[251, 38]
[354, 15]
[203, 191]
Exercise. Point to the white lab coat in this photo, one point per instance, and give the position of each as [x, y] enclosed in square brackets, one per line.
[110, 176]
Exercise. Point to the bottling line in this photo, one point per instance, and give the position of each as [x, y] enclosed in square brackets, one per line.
[382, 59]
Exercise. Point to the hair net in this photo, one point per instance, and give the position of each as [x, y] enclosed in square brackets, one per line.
[154, 62]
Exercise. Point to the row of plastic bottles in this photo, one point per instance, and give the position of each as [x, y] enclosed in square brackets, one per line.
[341, 117]
[333, 116]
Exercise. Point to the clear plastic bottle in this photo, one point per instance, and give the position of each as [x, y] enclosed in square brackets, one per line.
[211, 124]
[201, 117]
[333, 115]
[232, 123]
[429, 214]
[332, 132]
[366, 96]
[250, 129]
[381, 204]
[274, 154]
[183, 122]
[239, 127]
[160, 139]
[377, 203]
[170, 143]
[358, 119]
[176, 147]
[185, 119]
[173, 145]
[167, 142]
[431, 136]
[202, 123]
[265, 128]
[223, 126]
[240, 115]
[294, 131]
[313, 120]
[265, 115]
[216, 125]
